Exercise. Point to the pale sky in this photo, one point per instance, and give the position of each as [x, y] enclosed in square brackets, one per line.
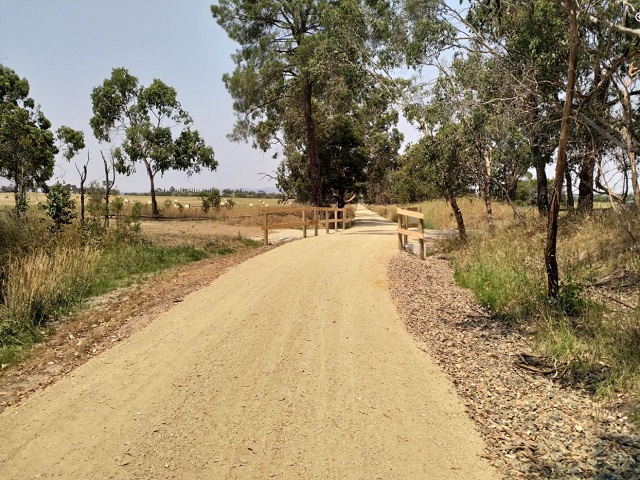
[66, 47]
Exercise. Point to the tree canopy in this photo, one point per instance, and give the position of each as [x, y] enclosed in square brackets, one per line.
[27, 144]
[146, 118]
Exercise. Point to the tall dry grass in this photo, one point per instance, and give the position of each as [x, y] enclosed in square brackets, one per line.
[39, 285]
[439, 216]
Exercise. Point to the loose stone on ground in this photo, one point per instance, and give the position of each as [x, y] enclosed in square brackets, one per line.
[534, 427]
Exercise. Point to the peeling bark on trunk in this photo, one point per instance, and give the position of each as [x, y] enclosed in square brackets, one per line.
[585, 187]
[567, 178]
[486, 191]
[550, 260]
[628, 137]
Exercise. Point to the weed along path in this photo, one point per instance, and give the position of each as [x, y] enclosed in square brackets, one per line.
[293, 365]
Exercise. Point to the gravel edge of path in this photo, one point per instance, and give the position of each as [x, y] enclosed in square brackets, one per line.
[533, 427]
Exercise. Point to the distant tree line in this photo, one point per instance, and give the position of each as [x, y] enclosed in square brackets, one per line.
[227, 192]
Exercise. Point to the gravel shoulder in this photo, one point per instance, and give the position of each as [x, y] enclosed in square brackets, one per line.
[294, 364]
[534, 427]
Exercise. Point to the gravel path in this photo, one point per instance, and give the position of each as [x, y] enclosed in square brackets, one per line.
[293, 365]
[534, 427]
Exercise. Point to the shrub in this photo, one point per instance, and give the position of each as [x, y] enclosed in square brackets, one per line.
[60, 207]
[210, 199]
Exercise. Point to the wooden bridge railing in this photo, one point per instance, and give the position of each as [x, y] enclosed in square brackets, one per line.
[410, 219]
[309, 217]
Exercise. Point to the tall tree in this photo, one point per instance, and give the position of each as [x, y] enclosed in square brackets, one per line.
[147, 116]
[275, 71]
[27, 144]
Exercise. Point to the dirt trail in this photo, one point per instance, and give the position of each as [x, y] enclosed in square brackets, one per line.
[292, 365]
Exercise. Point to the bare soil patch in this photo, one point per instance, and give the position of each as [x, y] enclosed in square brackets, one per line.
[534, 427]
[193, 232]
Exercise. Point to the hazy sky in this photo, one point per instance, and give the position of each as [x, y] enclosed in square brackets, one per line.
[67, 47]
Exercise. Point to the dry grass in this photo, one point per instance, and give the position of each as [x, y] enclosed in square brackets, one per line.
[594, 325]
[39, 284]
[439, 216]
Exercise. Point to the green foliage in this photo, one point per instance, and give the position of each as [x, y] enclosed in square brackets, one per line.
[226, 244]
[596, 337]
[72, 141]
[210, 199]
[60, 207]
[299, 74]
[27, 147]
[146, 117]
[120, 265]
[501, 278]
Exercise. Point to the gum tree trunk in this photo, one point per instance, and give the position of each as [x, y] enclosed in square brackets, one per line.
[550, 260]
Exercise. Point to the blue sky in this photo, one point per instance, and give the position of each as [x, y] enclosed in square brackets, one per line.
[67, 47]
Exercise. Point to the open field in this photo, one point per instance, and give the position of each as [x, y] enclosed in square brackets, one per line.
[243, 213]
[6, 200]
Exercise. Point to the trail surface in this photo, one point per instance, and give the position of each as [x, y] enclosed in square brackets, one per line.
[292, 365]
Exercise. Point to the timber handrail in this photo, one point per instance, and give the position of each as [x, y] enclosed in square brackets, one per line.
[404, 215]
[309, 217]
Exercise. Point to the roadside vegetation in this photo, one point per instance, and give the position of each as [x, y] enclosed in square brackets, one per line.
[49, 269]
[589, 335]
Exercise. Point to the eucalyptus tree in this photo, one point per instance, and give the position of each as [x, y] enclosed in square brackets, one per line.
[146, 118]
[71, 141]
[276, 72]
[27, 144]
[343, 164]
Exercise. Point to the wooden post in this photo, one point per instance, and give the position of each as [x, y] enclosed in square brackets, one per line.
[336, 225]
[405, 225]
[315, 221]
[304, 223]
[421, 230]
[266, 230]
[326, 220]
[400, 245]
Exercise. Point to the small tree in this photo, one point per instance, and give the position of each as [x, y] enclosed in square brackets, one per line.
[210, 199]
[109, 182]
[60, 206]
[146, 117]
[83, 180]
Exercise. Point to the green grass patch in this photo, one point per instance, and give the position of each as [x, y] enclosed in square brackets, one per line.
[118, 266]
[594, 339]
[227, 244]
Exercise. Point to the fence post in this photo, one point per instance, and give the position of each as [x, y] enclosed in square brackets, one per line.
[326, 220]
[400, 245]
[315, 221]
[421, 230]
[266, 230]
[304, 223]
[405, 225]
[336, 225]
